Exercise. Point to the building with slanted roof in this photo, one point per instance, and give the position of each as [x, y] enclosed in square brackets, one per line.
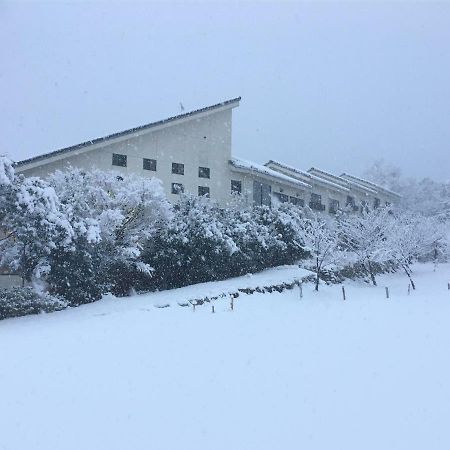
[192, 153]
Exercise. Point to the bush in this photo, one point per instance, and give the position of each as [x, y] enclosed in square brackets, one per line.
[22, 301]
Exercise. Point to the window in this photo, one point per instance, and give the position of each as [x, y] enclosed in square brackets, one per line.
[261, 194]
[297, 201]
[178, 168]
[203, 172]
[119, 160]
[350, 201]
[316, 198]
[203, 190]
[177, 188]
[333, 207]
[149, 164]
[282, 198]
[316, 202]
[236, 187]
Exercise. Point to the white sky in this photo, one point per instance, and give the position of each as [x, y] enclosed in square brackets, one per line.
[328, 85]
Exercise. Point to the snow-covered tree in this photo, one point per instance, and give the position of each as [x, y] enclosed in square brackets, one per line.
[407, 240]
[32, 224]
[366, 235]
[321, 238]
[113, 216]
[194, 245]
[426, 196]
[6, 171]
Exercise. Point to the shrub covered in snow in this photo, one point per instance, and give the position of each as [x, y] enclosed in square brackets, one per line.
[111, 217]
[81, 234]
[204, 242]
[15, 302]
[32, 225]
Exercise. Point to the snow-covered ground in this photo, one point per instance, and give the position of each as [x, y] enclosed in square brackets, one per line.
[278, 372]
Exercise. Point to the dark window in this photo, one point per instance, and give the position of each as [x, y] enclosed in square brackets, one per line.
[203, 172]
[261, 194]
[236, 187]
[316, 198]
[333, 206]
[316, 202]
[203, 190]
[282, 198]
[149, 164]
[376, 203]
[350, 201]
[177, 188]
[297, 201]
[119, 160]
[351, 204]
[178, 168]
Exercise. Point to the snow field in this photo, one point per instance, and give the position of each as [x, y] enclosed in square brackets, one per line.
[277, 372]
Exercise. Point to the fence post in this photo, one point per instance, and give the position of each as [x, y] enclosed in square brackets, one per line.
[232, 303]
[212, 309]
[409, 288]
[343, 292]
[387, 292]
[193, 307]
[300, 285]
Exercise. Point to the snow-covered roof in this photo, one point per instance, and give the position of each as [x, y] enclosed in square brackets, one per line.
[368, 184]
[228, 103]
[308, 175]
[322, 173]
[252, 167]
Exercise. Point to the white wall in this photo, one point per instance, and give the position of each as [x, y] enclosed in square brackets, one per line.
[200, 141]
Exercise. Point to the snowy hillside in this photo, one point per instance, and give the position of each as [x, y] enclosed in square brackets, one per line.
[277, 372]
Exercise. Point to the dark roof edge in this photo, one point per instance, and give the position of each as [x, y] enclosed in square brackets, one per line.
[125, 132]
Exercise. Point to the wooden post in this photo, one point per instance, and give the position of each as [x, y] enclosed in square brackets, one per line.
[232, 303]
[193, 307]
[212, 309]
[409, 288]
[300, 285]
[343, 292]
[387, 292]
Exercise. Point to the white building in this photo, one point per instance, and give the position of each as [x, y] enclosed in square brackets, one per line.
[192, 153]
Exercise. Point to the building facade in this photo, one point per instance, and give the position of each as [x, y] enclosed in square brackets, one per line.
[192, 153]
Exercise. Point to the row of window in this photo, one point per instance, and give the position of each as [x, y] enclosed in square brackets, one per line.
[178, 188]
[284, 198]
[261, 191]
[150, 164]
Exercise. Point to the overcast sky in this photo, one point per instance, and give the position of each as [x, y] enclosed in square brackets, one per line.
[329, 85]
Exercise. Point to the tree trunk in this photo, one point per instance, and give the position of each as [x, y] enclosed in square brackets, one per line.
[408, 272]
[23, 271]
[372, 275]
[317, 274]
